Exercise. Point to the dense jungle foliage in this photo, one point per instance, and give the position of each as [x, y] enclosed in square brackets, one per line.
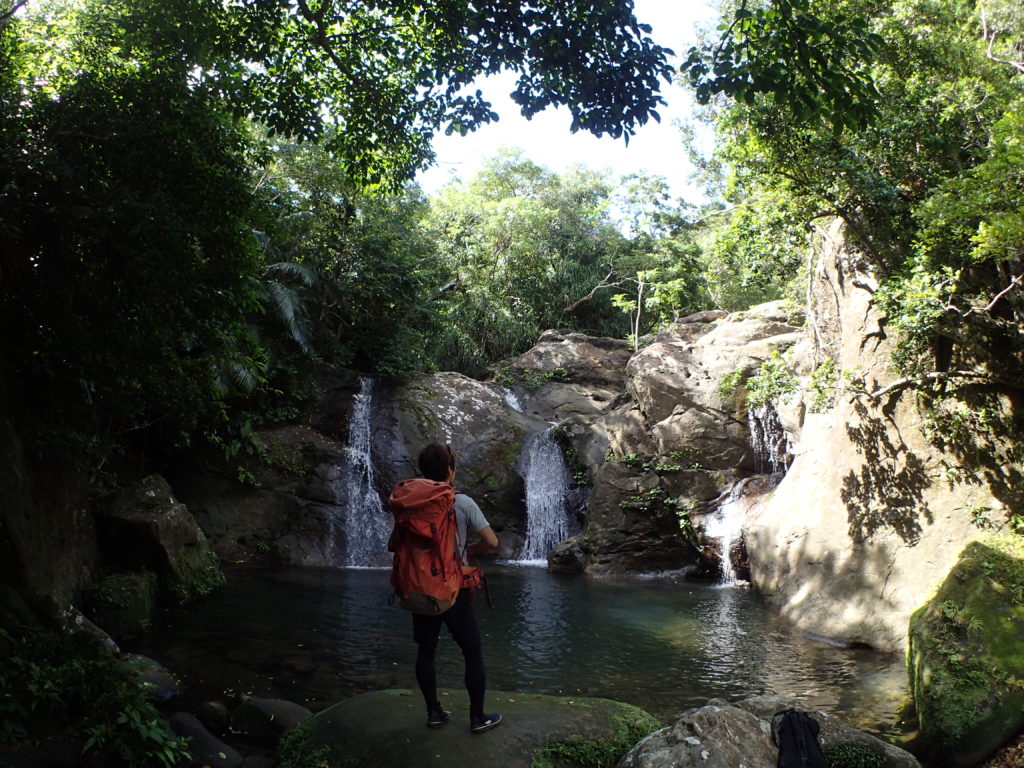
[200, 199]
[918, 151]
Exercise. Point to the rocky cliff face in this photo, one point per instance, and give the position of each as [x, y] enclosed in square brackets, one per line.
[870, 517]
[659, 438]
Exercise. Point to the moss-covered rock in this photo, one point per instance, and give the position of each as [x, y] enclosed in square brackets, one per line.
[387, 728]
[966, 653]
[123, 603]
[147, 528]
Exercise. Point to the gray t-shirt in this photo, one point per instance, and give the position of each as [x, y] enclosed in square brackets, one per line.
[469, 519]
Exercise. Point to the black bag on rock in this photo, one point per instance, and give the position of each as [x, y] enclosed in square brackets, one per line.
[795, 733]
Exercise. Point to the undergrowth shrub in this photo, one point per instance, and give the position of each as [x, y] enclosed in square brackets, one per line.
[80, 685]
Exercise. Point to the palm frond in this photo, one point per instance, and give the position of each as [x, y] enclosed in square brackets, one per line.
[292, 269]
[287, 305]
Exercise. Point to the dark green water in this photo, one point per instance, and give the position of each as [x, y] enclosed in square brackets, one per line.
[319, 635]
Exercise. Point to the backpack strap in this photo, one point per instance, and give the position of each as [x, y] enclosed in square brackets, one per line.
[481, 578]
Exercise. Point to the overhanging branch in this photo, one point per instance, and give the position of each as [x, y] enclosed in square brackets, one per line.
[921, 378]
[604, 283]
[14, 9]
[1014, 283]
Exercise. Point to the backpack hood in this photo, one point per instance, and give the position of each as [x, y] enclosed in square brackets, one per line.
[419, 492]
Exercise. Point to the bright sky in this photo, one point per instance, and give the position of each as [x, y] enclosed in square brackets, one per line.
[656, 147]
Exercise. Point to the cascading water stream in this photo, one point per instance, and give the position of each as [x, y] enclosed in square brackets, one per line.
[771, 443]
[367, 522]
[726, 525]
[548, 483]
[512, 399]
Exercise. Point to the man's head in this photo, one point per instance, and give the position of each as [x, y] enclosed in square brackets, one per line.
[436, 461]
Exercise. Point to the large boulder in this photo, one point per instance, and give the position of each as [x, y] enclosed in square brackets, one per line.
[281, 498]
[480, 426]
[630, 527]
[723, 735]
[146, 527]
[386, 728]
[267, 720]
[966, 654]
[282, 504]
[204, 748]
[870, 516]
[673, 445]
[568, 374]
[678, 384]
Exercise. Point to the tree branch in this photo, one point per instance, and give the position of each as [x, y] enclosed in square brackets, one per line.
[921, 378]
[1014, 283]
[14, 9]
[602, 284]
[451, 285]
[322, 39]
[991, 40]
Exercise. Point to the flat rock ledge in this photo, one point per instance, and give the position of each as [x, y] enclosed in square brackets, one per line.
[388, 728]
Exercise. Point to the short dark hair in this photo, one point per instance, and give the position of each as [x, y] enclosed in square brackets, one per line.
[435, 460]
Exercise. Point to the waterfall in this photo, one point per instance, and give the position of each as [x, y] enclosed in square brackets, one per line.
[512, 399]
[769, 440]
[548, 518]
[367, 522]
[726, 525]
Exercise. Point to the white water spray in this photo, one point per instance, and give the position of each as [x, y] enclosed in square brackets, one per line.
[512, 399]
[367, 522]
[548, 519]
[726, 525]
[771, 443]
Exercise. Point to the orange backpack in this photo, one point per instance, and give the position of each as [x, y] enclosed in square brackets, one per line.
[426, 572]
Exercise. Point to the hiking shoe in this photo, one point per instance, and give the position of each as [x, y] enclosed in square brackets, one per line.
[436, 717]
[485, 723]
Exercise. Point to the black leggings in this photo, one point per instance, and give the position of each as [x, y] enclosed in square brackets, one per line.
[461, 622]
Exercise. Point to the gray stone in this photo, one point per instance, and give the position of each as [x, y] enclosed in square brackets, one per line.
[578, 358]
[707, 316]
[480, 426]
[868, 519]
[146, 527]
[215, 716]
[723, 735]
[568, 557]
[266, 720]
[203, 746]
[161, 686]
[386, 729]
[629, 525]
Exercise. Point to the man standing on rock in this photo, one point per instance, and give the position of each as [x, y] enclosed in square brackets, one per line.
[437, 463]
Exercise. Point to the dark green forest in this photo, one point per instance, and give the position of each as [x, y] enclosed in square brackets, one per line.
[212, 201]
[221, 200]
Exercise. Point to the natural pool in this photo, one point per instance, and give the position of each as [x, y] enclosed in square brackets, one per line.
[318, 635]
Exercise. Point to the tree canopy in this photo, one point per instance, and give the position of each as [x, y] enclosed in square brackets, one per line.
[379, 79]
[167, 244]
[928, 187]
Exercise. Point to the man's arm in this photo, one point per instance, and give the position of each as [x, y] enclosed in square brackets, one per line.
[488, 540]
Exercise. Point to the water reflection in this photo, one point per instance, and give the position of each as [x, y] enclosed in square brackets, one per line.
[540, 633]
[320, 635]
